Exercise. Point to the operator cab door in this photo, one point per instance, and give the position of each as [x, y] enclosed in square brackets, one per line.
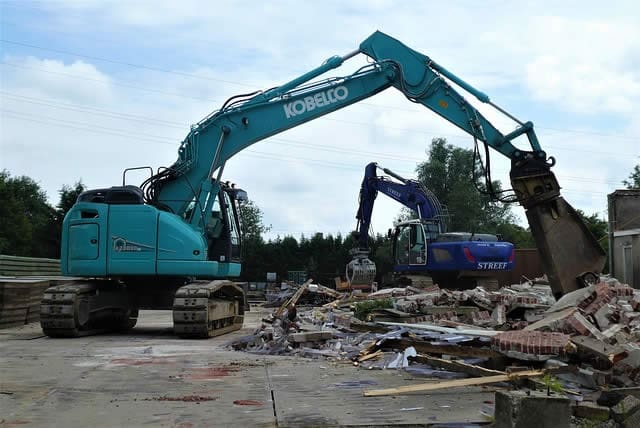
[223, 230]
[411, 245]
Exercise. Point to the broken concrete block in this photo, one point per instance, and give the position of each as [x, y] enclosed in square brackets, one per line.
[628, 317]
[533, 315]
[602, 316]
[519, 409]
[576, 322]
[589, 378]
[572, 299]
[625, 408]
[499, 314]
[552, 321]
[625, 307]
[622, 337]
[612, 331]
[632, 421]
[609, 398]
[633, 358]
[591, 411]
[599, 349]
[310, 336]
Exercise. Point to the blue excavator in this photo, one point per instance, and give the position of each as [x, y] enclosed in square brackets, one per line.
[174, 242]
[424, 251]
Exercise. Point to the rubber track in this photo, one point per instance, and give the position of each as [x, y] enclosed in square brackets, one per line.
[59, 310]
[194, 306]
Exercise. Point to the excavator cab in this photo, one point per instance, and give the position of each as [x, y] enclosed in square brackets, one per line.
[223, 230]
[410, 243]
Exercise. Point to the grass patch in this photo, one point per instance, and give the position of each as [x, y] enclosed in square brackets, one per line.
[363, 309]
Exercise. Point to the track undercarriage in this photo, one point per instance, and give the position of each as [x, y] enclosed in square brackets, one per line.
[201, 309]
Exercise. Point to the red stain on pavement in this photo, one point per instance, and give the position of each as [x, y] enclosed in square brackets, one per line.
[141, 361]
[248, 403]
[13, 423]
[185, 398]
[209, 373]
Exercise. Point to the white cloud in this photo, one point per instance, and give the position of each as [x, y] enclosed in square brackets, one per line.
[583, 64]
[78, 81]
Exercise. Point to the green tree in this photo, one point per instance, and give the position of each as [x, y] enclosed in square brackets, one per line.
[450, 174]
[25, 218]
[599, 229]
[634, 179]
[68, 196]
[253, 246]
[518, 235]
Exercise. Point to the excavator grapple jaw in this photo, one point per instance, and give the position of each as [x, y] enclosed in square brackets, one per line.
[360, 270]
[568, 249]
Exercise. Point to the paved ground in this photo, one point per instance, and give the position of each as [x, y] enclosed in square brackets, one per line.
[148, 377]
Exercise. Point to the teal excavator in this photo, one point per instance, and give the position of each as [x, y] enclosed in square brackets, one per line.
[174, 242]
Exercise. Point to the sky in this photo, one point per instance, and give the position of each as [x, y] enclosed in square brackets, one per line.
[91, 87]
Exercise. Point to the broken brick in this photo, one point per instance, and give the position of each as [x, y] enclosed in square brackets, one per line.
[601, 295]
[621, 290]
[531, 342]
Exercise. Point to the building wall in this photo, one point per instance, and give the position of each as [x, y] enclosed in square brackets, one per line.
[527, 263]
[624, 236]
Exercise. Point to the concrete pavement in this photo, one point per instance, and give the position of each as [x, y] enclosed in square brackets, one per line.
[148, 377]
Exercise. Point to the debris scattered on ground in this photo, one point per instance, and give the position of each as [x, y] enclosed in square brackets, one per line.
[581, 345]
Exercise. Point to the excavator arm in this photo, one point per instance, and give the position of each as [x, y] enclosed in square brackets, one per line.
[567, 248]
[410, 193]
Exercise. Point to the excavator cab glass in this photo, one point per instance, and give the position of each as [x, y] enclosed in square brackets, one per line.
[233, 224]
[411, 244]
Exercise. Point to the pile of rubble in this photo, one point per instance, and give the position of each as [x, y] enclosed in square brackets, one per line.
[587, 342]
[315, 294]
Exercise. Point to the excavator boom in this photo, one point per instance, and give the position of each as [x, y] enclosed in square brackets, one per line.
[183, 223]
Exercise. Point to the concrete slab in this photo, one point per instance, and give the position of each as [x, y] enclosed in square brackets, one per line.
[146, 377]
[330, 394]
[150, 377]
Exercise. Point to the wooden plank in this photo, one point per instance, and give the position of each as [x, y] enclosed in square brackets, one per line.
[27, 266]
[13, 315]
[30, 272]
[7, 257]
[456, 366]
[294, 299]
[370, 356]
[453, 383]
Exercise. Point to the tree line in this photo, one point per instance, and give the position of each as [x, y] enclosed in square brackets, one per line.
[30, 226]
